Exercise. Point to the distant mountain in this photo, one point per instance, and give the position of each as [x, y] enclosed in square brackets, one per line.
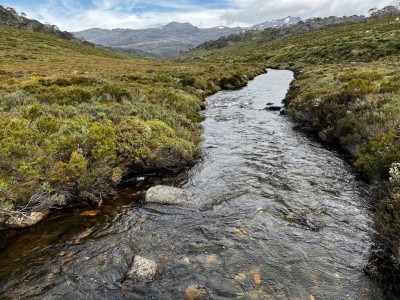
[277, 23]
[10, 17]
[165, 41]
[168, 40]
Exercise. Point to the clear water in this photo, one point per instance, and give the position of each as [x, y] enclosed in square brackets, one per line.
[276, 216]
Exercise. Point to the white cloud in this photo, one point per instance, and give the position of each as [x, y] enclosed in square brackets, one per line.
[110, 19]
[71, 15]
[255, 11]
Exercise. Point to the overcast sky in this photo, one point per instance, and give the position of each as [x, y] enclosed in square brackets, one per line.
[74, 15]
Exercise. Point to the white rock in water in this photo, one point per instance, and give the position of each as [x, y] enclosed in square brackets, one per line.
[142, 269]
[25, 220]
[168, 195]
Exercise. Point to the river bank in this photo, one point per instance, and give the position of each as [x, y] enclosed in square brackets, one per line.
[75, 120]
[150, 157]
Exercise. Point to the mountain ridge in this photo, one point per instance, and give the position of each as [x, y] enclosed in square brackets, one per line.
[170, 39]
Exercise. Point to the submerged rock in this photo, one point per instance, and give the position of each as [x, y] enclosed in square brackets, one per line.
[25, 220]
[168, 195]
[273, 108]
[142, 269]
[195, 292]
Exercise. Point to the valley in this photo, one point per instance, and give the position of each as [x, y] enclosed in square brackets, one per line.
[81, 126]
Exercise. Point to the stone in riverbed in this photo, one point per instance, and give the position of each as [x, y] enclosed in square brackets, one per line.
[142, 269]
[168, 195]
[196, 292]
[25, 220]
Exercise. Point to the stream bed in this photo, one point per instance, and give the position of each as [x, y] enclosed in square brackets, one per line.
[275, 216]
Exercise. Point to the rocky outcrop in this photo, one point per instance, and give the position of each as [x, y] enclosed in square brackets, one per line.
[142, 269]
[32, 215]
[25, 220]
[167, 195]
[10, 17]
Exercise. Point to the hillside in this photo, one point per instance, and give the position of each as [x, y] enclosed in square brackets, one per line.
[9, 16]
[169, 40]
[75, 119]
[347, 92]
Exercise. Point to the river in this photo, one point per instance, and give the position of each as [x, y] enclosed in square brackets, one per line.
[276, 216]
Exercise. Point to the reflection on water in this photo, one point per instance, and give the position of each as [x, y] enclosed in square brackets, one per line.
[276, 216]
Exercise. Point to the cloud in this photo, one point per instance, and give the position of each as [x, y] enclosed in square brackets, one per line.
[75, 15]
[254, 11]
[117, 18]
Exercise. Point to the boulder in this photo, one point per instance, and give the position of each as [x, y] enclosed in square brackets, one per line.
[25, 220]
[167, 195]
[142, 269]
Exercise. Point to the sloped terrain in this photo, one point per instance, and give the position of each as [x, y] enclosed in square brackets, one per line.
[9, 16]
[75, 119]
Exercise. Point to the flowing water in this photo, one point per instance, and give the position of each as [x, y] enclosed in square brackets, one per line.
[276, 216]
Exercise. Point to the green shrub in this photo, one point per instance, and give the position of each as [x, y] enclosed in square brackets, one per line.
[77, 165]
[364, 76]
[48, 124]
[112, 92]
[32, 112]
[133, 136]
[101, 141]
[357, 88]
[188, 81]
[377, 155]
[13, 100]
[390, 87]
[233, 82]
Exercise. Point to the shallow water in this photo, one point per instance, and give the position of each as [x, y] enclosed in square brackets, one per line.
[276, 216]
